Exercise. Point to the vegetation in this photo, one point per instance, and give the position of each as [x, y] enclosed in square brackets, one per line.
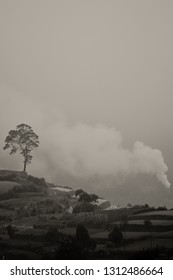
[83, 207]
[82, 236]
[10, 231]
[115, 235]
[35, 224]
[23, 188]
[148, 225]
[85, 197]
[24, 140]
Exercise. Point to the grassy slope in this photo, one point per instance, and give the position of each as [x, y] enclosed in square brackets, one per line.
[7, 185]
[9, 206]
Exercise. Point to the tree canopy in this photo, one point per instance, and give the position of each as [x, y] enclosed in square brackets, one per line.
[85, 197]
[24, 140]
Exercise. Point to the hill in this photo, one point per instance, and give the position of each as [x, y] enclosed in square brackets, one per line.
[38, 220]
[25, 195]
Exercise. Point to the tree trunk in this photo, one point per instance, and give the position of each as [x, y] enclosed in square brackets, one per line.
[24, 168]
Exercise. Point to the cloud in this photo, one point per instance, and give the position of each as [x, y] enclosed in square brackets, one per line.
[81, 150]
[85, 150]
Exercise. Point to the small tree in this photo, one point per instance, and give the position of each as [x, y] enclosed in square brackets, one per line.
[148, 224]
[79, 192]
[82, 235]
[115, 235]
[24, 140]
[85, 197]
[10, 231]
[124, 224]
[94, 197]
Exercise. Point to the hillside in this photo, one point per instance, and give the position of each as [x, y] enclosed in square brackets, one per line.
[37, 218]
[25, 195]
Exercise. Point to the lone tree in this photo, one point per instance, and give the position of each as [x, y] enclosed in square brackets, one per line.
[24, 140]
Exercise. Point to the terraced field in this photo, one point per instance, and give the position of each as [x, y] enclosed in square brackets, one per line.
[6, 185]
[144, 244]
[154, 222]
[155, 213]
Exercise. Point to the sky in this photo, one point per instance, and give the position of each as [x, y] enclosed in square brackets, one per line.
[94, 80]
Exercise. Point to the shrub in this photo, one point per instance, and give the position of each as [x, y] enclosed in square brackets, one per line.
[10, 231]
[37, 181]
[147, 224]
[6, 218]
[82, 235]
[42, 218]
[115, 235]
[161, 208]
[53, 235]
[84, 207]
[83, 238]
[85, 197]
[94, 197]
[78, 192]
[65, 202]
[69, 249]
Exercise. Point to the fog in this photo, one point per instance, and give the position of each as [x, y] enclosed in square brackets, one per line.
[94, 80]
[80, 149]
[85, 150]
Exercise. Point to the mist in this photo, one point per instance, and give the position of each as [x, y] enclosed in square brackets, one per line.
[79, 149]
[84, 150]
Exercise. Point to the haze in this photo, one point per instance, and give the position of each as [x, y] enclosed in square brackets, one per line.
[94, 80]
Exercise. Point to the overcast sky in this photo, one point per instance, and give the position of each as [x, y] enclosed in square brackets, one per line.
[94, 79]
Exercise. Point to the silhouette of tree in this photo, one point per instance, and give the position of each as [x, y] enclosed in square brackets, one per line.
[148, 225]
[10, 231]
[78, 192]
[82, 235]
[94, 197]
[115, 235]
[24, 140]
[85, 197]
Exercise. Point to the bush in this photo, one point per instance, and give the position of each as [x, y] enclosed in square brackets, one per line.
[6, 218]
[65, 202]
[85, 197]
[147, 224]
[79, 192]
[69, 249]
[115, 235]
[84, 207]
[83, 238]
[82, 235]
[94, 197]
[53, 235]
[37, 181]
[161, 208]
[10, 231]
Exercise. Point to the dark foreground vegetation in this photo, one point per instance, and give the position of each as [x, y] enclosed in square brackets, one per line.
[39, 220]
